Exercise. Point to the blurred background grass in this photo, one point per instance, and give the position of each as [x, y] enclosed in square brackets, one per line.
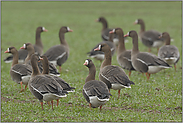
[159, 99]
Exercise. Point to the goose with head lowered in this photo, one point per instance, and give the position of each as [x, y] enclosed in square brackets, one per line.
[169, 53]
[20, 73]
[145, 62]
[29, 47]
[114, 76]
[63, 84]
[99, 55]
[95, 92]
[149, 38]
[38, 47]
[58, 54]
[44, 88]
[123, 55]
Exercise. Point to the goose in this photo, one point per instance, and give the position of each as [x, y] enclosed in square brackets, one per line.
[58, 54]
[143, 61]
[123, 55]
[169, 53]
[99, 55]
[149, 38]
[95, 92]
[62, 83]
[44, 88]
[29, 47]
[38, 47]
[20, 73]
[114, 76]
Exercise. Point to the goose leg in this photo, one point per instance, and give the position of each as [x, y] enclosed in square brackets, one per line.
[157, 49]
[57, 102]
[52, 104]
[21, 87]
[48, 103]
[90, 105]
[148, 76]
[118, 94]
[42, 105]
[25, 87]
[100, 107]
[60, 69]
[175, 67]
[129, 73]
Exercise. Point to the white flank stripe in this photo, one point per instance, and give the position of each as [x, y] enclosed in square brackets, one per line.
[142, 61]
[105, 77]
[61, 55]
[16, 72]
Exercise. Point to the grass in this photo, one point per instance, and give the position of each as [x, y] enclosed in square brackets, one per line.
[158, 100]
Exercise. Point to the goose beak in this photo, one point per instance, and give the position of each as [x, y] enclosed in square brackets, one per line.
[45, 30]
[22, 47]
[126, 35]
[85, 63]
[160, 36]
[6, 51]
[70, 30]
[96, 20]
[134, 23]
[96, 49]
[111, 32]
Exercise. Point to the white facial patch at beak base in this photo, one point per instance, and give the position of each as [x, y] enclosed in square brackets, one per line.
[8, 49]
[24, 45]
[68, 28]
[136, 21]
[86, 61]
[128, 33]
[43, 28]
[99, 47]
[113, 30]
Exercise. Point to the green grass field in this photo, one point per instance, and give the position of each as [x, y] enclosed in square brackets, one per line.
[156, 100]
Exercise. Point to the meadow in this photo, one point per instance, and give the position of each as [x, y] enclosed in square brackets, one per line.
[156, 100]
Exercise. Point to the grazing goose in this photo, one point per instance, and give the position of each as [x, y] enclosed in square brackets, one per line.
[38, 47]
[145, 62]
[59, 54]
[99, 55]
[149, 38]
[44, 87]
[123, 55]
[95, 92]
[20, 73]
[29, 47]
[114, 76]
[62, 83]
[169, 53]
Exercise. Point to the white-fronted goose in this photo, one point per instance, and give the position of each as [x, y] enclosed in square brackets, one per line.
[169, 53]
[99, 55]
[38, 47]
[114, 76]
[105, 30]
[58, 54]
[145, 62]
[63, 83]
[95, 92]
[20, 73]
[44, 87]
[29, 47]
[123, 55]
[149, 38]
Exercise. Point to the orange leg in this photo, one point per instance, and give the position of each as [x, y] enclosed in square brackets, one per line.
[52, 104]
[90, 105]
[118, 94]
[42, 105]
[175, 67]
[57, 102]
[129, 73]
[157, 49]
[21, 87]
[25, 87]
[148, 76]
[100, 107]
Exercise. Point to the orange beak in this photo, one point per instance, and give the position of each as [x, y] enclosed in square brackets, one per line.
[126, 35]
[85, 63]
[45, 30]
[22, 47]
[96, 49]
[6, 51]
[111, 32]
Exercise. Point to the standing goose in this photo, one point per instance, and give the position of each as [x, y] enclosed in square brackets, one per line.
[123, 55]
[149, 38]
[99, 55]
[44, 87]
[38, 47]
[29, 47]
[58, 54]
[95, 92]
[145, 62]
[114, 76]
[20, 73]
[63, 84]
[169, 53]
